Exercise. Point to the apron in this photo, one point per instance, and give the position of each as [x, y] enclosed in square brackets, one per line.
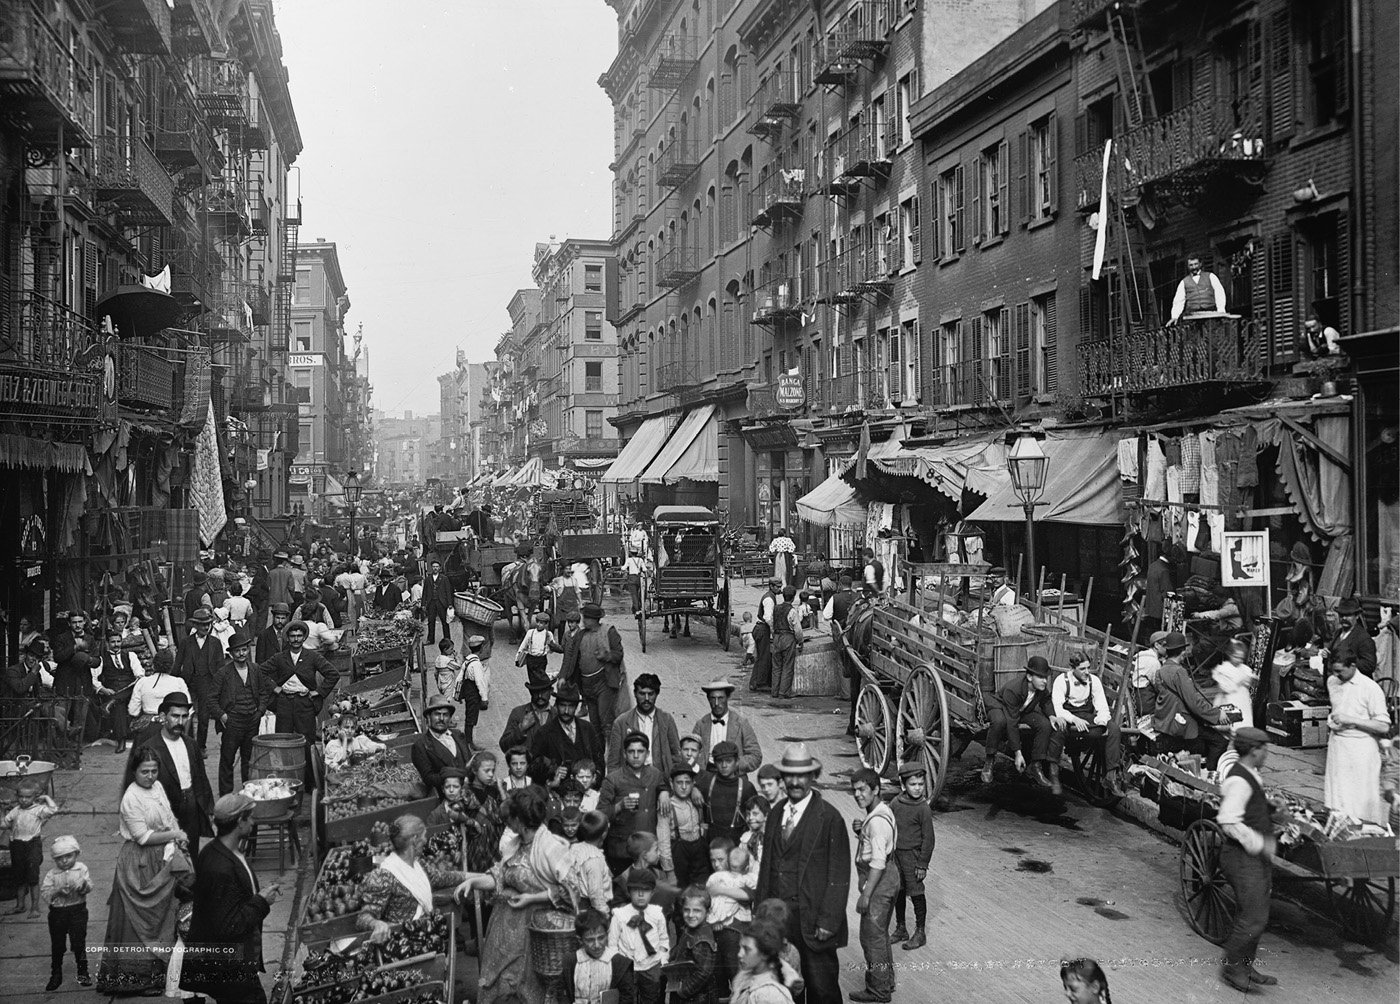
[1352, 783]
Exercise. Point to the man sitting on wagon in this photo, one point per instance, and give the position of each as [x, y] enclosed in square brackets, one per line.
[1082, 709]
[1023, 701]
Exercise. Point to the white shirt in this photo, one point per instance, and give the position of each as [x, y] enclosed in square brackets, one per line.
[792, 812]
[150, 691]
[1360, 697]
[646, 725]
[181, 756]
[1235, 793]
[294, 684]
[1067, 689]
[1179, 300]
[446, 739]
[239, 609]
[718, 733]
[628, 940]
[766, 606]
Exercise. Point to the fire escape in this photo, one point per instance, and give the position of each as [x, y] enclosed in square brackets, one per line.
[1206, 151]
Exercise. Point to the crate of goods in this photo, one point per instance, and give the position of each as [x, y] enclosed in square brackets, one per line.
[1365, 857]
[415, 955]
[1297, 724]
[353, 818]
[389, 679]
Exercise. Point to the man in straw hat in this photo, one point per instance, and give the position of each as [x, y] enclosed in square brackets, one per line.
[242, 699]
[227, 915]
[1246, 815]
[721, 724]
[806, 863]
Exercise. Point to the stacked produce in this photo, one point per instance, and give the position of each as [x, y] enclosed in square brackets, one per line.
[382, 774]
[377, 636]
[339, 891]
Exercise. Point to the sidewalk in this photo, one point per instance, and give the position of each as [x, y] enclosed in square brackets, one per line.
[88, 800]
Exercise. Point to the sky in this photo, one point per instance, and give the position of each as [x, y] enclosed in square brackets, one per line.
[442, 141]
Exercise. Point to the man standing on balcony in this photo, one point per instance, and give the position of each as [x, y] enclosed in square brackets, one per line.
[1199, 293]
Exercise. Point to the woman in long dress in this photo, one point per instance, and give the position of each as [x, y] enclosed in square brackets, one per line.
[530, 884]
[141, 911]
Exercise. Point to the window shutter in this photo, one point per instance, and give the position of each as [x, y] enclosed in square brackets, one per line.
[1052, 346]
[916, 367]
[90, 279]
[1282, 113]
[1052, 160]
[1023, 349]
[977, 228]
[915, 231]
[1003, 387]
[1283, 309]
[1025, 184]
[960, 210]
[970, 392]
[1004, 186]
[936, 224]
[1086, 312]
[894, 246]
[1081, 134]
[1343, 277]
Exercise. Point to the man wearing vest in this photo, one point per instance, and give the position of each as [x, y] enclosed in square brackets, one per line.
[120, 670]
[242, 700]
[593, 663]
[1247, 818]
[806, 863]
[787, 642]
[1199, 293]
[762, 676]
[300, 681]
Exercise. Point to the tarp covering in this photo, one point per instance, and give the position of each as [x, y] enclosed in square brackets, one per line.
[976, 464]
[1081, 485]
[833, 503]
[22, 451]
[700, 461]
[679, 442]
[639, 451]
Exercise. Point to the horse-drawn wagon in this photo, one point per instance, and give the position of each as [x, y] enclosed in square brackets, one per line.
[691, 576]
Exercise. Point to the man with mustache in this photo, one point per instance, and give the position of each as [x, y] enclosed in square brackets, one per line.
[182, 773]
[243, 698]
[526, 719]
[568, 738]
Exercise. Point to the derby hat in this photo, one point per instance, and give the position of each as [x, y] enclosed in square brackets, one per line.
[1175, 641]
[1349, 607]
[202, 616]
[177, 699]
[281, 608]
[1037, 665]
[567, 694]
[535, 686]
[239, 640]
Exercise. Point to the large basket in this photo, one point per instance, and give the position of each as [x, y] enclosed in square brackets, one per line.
[477, 610]
[550, 950]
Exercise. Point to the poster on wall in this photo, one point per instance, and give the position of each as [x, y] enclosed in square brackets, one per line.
[1246, 559]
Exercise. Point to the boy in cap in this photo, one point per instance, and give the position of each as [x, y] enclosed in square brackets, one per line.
[1247, 817]
[638, 932]
[879, 883]
[725, 791]
[913, 850]
[65, 889]
[474, 690]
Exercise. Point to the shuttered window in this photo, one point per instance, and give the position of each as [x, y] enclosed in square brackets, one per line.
[1282, 114]
[1282, 308]
[1022, 323]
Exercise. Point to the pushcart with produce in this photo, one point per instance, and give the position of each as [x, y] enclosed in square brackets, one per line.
[691, 578]
[1357, 864]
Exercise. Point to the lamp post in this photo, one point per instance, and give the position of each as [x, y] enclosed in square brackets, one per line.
[352, 499]
[1028, 465]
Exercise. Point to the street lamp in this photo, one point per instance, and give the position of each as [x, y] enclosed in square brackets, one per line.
[352, 499]
[1027, 463]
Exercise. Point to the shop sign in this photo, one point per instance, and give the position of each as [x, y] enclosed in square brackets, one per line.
[48, 393]
[33, 571]
[304, 359]
[1246, 559]
[789, 392]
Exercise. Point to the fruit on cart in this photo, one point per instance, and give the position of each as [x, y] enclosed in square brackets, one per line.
[393, 634]
[425, 936]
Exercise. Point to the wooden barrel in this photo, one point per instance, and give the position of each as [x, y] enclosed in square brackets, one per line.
[279, 754]
[1009, 657]
[1053, 642]
[1081, 646]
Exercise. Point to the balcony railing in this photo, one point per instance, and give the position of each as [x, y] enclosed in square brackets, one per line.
[1083, 13]
[778, 300]
[41, 82]
[226, 206]
[862, 151]
[856, 272]
[1184, 151]
[146, 377]
[194, 274]
[777, 102]
[678, 267]
[140, 26]
[674, 60]
[847, 391]
[223, 92]
[677, 376]
[677, 163]
[183, 139]
[51, 337]
[863, 34]
[194, 29]
[1203, 350]
[128, 175]
[779, 196]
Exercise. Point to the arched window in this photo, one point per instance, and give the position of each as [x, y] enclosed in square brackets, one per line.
[710, 222]
[728, 205]
[729, 328]
[729, 87]
[710, 108]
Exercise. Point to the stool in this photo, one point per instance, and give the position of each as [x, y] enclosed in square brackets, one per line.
[286, 826]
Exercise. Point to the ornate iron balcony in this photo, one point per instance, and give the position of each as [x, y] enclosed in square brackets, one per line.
[42, 85]
[129, 176]
[1219, 348]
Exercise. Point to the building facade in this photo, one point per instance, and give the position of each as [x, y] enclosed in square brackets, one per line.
[404, 447]
[317, 366]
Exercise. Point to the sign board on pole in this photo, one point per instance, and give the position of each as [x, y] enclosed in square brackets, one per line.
[1245, 559]
[789, 394]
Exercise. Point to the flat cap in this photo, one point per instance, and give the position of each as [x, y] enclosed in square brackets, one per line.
[233, 806]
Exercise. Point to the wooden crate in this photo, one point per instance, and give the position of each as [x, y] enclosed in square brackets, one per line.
[358, 827]
[902, 639]
[388, 678]
[1368, 857]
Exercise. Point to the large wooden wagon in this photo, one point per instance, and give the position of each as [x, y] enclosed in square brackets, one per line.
[692, 577]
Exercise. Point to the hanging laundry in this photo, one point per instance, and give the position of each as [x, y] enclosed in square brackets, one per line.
[1128, 459]
[1190, 463]
[1156, 487]
[1210, 472]
[1248, 474]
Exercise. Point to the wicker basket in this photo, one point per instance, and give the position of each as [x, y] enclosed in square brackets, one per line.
[477, 610]
[550, 950]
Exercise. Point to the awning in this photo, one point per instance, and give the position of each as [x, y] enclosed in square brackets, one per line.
[532, 475]
[700, 461]
[832, 503]
[977, 464]
[679, 442]
[1082, 485]
[639, 451]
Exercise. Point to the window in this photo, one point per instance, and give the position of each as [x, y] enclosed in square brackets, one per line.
[593, 424]
[303, 288]
[301, 386]
[1039, 167]
[593, 377]
[990, 216]
[998, 361]
[593, 278]
[304, 439]
[949, 236]
[905, 357]
[303, 336]
[950, 352]
[593, 325]
[910, 253]
[1043, 344]
[886, 242]
[883, 138]
[906, 93]
[1326, 47]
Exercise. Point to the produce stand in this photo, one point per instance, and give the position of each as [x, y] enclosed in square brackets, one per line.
[419, 958]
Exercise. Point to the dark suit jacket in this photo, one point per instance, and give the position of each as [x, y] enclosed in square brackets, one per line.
[430, 756]
[516, 733]
[228, 911]
[1358, 644]
[612, 671]
[1011, 701]
[823, 852]
[1178, 697]
[270, 642]
[229, 686]
[20, 681]
[437, 591]
[170, 780]
[199, 667]
[386, 596]
[73, 673]
[311, 668]
[666, 744]
[551, 741]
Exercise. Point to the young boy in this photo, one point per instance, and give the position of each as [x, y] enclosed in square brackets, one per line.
[450, 808]
[25, 823]
[725, 793]
[349, 743]
[770, 784]
[630, 797]
[445, 669]
[879, 880]
[597, 966]
[756, 811]
[644, 851]
[686, 816]
[638, 932]
[65, 889]
[746, 636]
[695, 951]
[913, 850]
[474, 687]
[731, 886]
[690, 753]
[517, 770]
[585, 776]
[533, 652]
[569, 822]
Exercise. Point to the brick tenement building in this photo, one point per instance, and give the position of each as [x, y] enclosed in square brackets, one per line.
[767, 222]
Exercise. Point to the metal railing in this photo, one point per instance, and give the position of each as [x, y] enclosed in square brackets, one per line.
[848, 390]
[140, 26]
[40, 76]
[1217, 349]
[51, 337]
[861, 34]
[147, 377]
[678, 375]
[128, 174]
[678, 266]
[677, 163]
[777, 98]
[223, 91]
[183, 138]
[779, 195]
[674, 60]
[778, 299]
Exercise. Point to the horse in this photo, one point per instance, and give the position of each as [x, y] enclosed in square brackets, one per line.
[523, 586]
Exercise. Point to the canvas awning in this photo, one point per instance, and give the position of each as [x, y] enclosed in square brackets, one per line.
[639, 451]
[700, 461]
[832, 503]
[680, 441]
[976, 464]
[531, 475]
[1081, 485]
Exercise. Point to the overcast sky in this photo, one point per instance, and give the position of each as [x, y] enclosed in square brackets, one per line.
[442, 141]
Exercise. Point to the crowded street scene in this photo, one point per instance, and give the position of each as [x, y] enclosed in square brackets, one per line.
[844, 500]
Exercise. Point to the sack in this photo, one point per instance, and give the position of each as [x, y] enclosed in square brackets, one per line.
[267, 724]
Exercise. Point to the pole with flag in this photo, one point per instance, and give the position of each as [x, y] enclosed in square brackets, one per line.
[1102, 238]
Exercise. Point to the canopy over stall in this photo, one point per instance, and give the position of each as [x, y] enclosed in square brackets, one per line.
[660, 470]
[833, 503]
[639, 451]
[1081, 486]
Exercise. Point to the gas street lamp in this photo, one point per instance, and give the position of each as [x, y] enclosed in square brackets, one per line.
[353, 490]
[1028, 465]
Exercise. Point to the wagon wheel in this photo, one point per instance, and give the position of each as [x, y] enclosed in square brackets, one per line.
[874, 727]
[1087, 761]
[1364, 907]
[722, 614]
[923, 729]
[595, 581]
[642, 614]
[1208, 895]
